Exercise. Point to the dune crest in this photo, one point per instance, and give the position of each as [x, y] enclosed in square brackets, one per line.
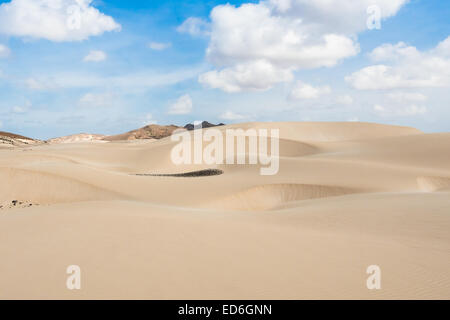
[331, 131]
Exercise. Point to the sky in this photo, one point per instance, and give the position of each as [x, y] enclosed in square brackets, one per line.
[110, 66]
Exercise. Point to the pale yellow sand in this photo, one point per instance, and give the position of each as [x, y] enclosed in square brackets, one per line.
[348, 195]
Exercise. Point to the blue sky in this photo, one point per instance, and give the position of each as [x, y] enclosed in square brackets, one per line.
[138, 62]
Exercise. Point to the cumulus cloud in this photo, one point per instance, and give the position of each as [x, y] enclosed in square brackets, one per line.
[306, 91]
[389, 52]
[159, 46]
[405, 67]
[195, 27]
[98, 99]
[342, 16]
[4, 51]
[252, 76]
[231, 116]
[54, 20]
[395, 111]
[254, 31]
[95, 56]
[287, 35]
[182, 106]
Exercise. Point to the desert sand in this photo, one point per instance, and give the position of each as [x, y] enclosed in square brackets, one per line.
[347, 196]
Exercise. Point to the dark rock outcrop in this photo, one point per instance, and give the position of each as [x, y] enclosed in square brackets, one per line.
[205, 124]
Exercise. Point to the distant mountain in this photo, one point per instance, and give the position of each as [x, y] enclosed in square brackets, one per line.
[12, 139]
[205, 124]
[77, 138]
[153, 131]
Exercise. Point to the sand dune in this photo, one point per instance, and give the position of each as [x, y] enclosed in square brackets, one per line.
[267, 197]
[347, 195]
[431, 184]
[32, 186]
[331, 131]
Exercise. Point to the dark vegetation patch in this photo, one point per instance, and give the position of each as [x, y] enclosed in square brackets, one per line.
[192, 174]
[17, 204]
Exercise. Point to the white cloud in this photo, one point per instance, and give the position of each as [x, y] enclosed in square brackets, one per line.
[344, 99]
[98, 99]
[405, 67]
[407, 96]
[353, 119]
[288, 35]
[255, 31]
[404, 111]
[389, 52]
[195, 27]
[1, 124]
[257, 75]
[341, 16]
[5, 52]
[182, 106]
[54, 20]
[231, 116]
[95, 56]
[159, 46]
[22, 109]
[35, 84]
[306, 91]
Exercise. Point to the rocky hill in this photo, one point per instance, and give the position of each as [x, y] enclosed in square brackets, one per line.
[153, 131]
[8, 139]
